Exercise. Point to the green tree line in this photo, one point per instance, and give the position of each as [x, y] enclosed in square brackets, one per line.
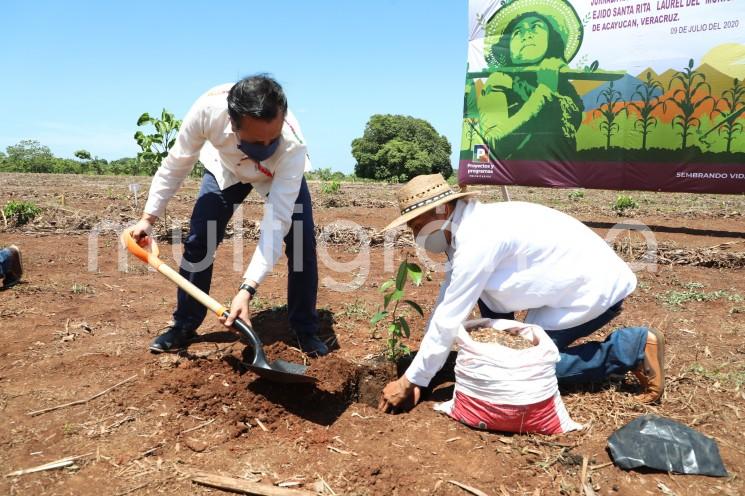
[32, 156]
[393, 148]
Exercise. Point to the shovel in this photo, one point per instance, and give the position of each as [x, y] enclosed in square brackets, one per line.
[278, 371]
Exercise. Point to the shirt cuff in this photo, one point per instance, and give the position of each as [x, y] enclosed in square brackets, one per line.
[257, 270]
[417, 375]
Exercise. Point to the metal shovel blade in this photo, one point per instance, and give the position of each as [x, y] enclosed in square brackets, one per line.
[278, 370]
[282, 371]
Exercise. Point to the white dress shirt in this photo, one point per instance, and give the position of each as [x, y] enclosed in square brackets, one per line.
[206, 134]
[520, 256]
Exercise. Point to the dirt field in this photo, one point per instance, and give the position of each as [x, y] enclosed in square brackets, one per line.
[79, 325]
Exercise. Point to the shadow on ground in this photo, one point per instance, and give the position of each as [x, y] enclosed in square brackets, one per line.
[273, 325]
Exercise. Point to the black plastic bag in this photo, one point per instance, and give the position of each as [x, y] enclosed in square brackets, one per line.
[663, 444]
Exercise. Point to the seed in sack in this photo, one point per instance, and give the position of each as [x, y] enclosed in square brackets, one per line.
[505, 338]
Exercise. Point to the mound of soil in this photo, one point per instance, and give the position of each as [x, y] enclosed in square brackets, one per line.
[224, 388]
[334, 375]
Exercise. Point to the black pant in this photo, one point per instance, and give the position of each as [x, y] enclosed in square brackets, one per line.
[213, 209]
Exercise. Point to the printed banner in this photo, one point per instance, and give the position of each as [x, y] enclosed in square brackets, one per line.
[612, 94]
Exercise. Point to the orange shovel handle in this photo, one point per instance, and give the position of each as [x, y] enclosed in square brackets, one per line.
[149, 257]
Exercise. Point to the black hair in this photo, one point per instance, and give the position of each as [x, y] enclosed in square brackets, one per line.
[501, 50]
[258, 96]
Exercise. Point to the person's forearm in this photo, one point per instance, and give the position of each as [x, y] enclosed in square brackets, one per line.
[175, 167]
[149, 217]
[166, 182]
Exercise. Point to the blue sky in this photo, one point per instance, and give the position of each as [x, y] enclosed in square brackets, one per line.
[78, 74]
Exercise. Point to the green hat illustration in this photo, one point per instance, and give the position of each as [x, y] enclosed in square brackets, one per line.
[560, 15]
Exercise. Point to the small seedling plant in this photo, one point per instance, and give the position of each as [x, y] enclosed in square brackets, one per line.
[394, 295]
[331, 188]
[576, 195]
[20, 212]
[624, 203]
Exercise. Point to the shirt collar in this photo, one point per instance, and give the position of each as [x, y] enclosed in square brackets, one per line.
[228, 125]
[460, 207]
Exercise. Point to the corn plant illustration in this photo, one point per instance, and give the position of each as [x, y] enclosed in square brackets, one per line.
[688, 99]
[733, 100]
[608, 112]
[646, 103]
[470, 112]
[393, 293]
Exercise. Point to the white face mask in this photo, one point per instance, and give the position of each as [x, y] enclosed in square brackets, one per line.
[434, 241]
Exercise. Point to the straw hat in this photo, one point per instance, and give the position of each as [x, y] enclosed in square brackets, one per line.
[422, 194]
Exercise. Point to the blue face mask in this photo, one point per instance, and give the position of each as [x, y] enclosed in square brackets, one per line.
[257, 151]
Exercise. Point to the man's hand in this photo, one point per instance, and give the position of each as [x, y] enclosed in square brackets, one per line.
[141, 231]
[398, 395]
[238, 309]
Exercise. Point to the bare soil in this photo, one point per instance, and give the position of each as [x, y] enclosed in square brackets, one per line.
[82, 319]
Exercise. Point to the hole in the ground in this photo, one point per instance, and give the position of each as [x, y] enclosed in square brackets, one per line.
[225, 389]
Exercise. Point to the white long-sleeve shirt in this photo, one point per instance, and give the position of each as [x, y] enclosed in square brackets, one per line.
[206, 134]
[520, 256]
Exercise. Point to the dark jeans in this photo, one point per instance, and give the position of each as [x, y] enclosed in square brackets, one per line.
[212, 211]
[593, 361]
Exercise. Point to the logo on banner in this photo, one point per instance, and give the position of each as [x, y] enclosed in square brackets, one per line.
[481, 154]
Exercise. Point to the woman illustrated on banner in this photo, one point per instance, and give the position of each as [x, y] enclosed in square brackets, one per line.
[526, 109]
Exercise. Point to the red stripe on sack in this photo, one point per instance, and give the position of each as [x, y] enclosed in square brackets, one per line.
[538, 417]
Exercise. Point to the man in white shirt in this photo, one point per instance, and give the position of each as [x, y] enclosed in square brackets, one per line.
[514, 256]
[247, 139]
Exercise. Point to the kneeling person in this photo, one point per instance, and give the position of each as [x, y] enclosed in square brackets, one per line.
[514, 256]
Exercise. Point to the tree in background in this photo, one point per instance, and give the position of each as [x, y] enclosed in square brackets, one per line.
[84, 155]
[89, 163]
[32, 156]
[325, 174]
[733, 100]
[29, 156]
[155, 146]
[608, 112]
[127, 166]
[85, 158]
[398, 147]
[692, 82]
[645, 105]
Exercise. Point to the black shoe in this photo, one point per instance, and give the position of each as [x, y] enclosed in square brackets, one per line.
[14, 267]
[312, 345]
[174, 339]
